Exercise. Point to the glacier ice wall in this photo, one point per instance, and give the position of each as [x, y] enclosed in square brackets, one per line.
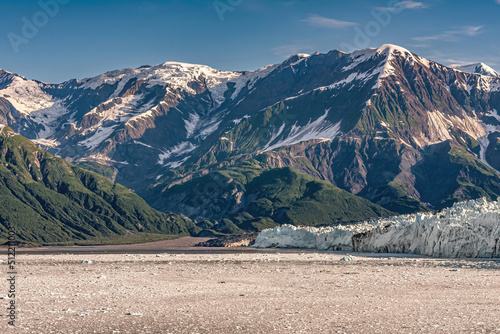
[467, 230]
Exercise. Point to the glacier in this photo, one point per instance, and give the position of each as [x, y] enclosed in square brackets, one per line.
[468, 229]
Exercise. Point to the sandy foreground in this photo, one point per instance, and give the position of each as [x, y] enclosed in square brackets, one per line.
[248, 291]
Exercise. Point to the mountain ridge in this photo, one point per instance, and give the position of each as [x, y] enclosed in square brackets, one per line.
[49, 201]
[476, 68]
[363, 121]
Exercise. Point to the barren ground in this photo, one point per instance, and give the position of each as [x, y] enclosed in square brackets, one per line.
[247, 291]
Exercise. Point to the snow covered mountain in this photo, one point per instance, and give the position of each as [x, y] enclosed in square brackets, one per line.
[385, 124]
[146, 117]
[477, 68]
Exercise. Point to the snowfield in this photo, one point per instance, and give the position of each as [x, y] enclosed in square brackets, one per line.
[467, 230]
[318, 129]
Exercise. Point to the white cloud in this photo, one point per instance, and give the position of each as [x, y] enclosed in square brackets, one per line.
[469, 30]
[404, 5]
[498, 1]
[411, 5]
[452, 35]
[325, 22]
[457, 61]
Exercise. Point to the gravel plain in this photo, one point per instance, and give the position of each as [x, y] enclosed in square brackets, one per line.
[247, 291]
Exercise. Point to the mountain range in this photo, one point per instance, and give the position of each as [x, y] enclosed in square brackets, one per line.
[384, 128]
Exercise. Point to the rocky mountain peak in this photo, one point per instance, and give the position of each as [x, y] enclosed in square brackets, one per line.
[389, 49]
[476, 68]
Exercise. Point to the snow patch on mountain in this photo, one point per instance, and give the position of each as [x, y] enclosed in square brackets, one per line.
[318, 129]
[476, 68]
[208, 129]
[205, 127]
[388, 53]
[122, 109]
[191, 124]
[27, 96]
[98, 137]
[484, 141]
[494, 85]
[469, 230]
[49, 118]
[494, 113]
[175, 164]
[172, 74]
[301, 57]
[45, 143]
[358, 57]
[143, 144]
[273, 137]
[108, 78]
[388, 50]
[249, 79]
[178, 150]
[484, 83]
[175, 75]
[102, 159]
[439, 128]
[352, 77]
[127, 109]
[117, 111]
[144, 114]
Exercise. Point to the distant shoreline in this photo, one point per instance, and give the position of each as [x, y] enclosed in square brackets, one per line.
[181, 245]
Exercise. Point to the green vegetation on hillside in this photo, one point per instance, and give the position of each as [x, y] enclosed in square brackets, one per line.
[252, 198]
[106, 171]
[51, 201]
[450, 174]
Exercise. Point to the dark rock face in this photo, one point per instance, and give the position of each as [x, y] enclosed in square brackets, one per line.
[384, 124]
[239, 240]
[8, 114]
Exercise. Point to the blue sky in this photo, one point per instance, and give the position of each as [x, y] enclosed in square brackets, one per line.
[78, 39]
